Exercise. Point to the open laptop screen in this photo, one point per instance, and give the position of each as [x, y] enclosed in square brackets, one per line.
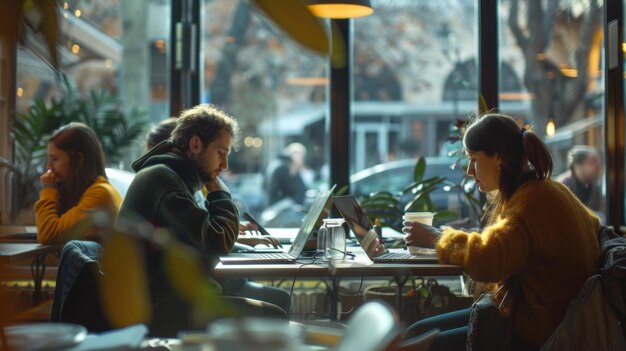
[360, 225]
[319, 210]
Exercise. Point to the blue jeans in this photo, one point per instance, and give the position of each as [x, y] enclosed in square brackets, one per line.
[453, 327]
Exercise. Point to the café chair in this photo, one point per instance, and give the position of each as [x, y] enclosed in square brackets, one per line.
[374, 326]
[76, 295]
[595, 316]
[256, 308]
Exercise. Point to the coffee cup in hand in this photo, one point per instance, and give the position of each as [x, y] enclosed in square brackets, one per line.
[423, 218]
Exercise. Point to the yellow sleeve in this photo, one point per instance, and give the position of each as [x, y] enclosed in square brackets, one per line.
[50, 226]
[496, 253]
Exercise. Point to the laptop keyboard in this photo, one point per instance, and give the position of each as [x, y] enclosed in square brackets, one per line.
[273, 255]
[395, 255]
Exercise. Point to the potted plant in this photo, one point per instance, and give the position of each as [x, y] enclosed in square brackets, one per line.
[100, 110]
[386, 208]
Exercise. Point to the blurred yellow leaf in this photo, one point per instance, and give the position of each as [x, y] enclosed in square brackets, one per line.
[293, 17]
[483, 108]
[125, 295]
[28, 5]
[184, 269]
[42, 17]
[50, 28]
[338, 58]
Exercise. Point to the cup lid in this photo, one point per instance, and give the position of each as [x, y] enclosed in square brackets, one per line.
[419, 214]
[337, 221]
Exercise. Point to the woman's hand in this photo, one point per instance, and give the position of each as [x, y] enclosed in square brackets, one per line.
[421, 235]
[48, 179]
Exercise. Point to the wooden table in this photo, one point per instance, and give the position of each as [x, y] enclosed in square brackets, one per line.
[357, 268]
[286, 235]
[14, 252]
[18, 233]
[16, 229]
[361, 266]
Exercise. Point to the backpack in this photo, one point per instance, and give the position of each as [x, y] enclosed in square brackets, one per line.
[613, 272]
[596, 317]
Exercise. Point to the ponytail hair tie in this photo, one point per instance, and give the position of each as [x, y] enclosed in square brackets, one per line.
[521, 132]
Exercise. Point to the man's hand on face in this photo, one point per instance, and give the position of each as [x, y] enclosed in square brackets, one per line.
[216, 184]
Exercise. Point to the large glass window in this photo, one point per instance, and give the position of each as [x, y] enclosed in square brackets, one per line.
[276, 89]
[112, 61]
[622, 46]
[103, 46]
[415, 74]
[551, 78]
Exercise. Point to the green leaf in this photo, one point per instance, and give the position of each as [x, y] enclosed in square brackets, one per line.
[5, 163]
[341, 191]
[419, 186]
[420, 168]
[446, 215]
[380, 195]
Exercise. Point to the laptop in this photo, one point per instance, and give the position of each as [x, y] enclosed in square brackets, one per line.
[319, 209]
[361, 226]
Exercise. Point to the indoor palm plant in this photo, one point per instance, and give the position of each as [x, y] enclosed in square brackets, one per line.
[100, 110]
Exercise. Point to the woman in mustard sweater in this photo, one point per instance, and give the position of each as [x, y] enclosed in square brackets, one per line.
[538, 234]
[74, 186]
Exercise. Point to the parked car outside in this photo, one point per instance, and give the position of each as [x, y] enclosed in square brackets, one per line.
[396, 175]
[120, 179]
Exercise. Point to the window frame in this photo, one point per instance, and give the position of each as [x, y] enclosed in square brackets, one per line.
[186, 79]
[614, 114]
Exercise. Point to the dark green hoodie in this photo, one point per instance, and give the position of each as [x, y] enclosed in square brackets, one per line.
[162, 194]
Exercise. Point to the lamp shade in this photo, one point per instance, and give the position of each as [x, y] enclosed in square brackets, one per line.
[340, 8]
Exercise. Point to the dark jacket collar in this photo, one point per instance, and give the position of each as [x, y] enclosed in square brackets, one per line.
[165, 153]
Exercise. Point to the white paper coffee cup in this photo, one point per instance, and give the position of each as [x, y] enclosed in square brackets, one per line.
[424, 218]
[421, 217]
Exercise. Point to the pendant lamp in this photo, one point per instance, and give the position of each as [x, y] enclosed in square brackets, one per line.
[340, 8]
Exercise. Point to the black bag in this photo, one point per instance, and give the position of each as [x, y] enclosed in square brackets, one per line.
[434, 299]
[489, 329]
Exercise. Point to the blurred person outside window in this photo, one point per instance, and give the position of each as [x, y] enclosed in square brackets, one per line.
[74, 186]
[585, 169]
[286, 175]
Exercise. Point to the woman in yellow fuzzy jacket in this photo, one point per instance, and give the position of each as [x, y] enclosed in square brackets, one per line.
[538, 234]
[74, 187]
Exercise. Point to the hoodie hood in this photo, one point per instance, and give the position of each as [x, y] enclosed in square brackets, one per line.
[164, 153]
